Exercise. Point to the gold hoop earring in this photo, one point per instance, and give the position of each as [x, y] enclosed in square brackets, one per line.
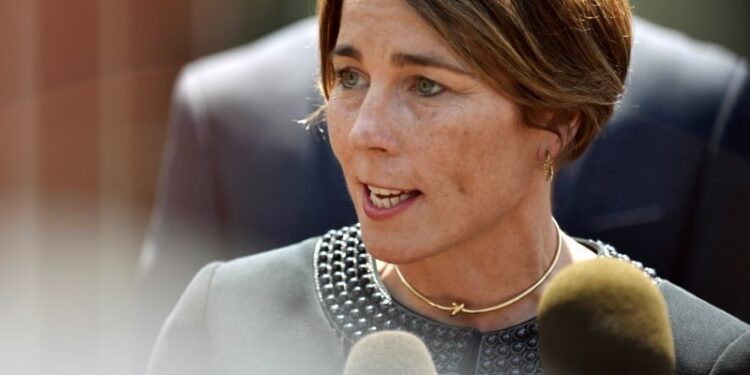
[549, 170]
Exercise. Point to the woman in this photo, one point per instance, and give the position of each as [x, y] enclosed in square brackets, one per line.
[449, 118]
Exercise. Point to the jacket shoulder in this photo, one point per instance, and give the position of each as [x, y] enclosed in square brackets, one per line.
[287, 265]
[282, 62]
[704, 335]
[258, 314]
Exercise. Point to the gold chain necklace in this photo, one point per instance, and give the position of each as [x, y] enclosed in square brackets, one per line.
[456, 308]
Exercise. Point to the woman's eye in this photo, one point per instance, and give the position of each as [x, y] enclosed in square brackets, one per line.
[349, 78]
[428, 87]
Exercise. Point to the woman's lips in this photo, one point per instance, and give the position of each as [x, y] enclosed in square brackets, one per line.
[382, 203]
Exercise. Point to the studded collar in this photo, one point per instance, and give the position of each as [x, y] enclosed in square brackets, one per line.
[356, 303]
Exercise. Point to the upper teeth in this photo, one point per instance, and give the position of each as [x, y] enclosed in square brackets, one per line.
[382, 191]
[389, 198]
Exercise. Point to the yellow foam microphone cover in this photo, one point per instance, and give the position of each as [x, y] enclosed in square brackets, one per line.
[604, 316]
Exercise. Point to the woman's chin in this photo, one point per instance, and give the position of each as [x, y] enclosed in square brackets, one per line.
[390, 248]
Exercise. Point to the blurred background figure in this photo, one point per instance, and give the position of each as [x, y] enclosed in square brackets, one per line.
[85, 88]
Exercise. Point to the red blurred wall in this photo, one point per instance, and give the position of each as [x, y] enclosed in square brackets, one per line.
[84, 93]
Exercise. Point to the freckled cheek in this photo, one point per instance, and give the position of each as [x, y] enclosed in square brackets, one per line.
[462, 182]
[338, 127]
[471, 156]
[454, 160]
[469, 171]
[338, 130]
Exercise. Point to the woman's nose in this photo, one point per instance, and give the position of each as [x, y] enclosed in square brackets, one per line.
[373, 128]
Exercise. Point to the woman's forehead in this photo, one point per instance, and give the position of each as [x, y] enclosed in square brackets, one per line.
[377, 4]
[391, 25]
[383, 13]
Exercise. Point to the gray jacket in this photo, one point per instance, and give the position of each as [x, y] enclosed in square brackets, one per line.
[261, 315]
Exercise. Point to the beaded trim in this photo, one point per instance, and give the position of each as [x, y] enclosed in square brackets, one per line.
[355, 304]
[608, 251]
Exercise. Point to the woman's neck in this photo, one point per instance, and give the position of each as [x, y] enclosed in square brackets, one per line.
[489, 270]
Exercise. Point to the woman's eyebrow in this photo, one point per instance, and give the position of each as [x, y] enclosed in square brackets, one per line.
[401, 59]
[347, 51]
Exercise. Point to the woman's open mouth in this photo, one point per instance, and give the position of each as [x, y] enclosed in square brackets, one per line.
[382, 203]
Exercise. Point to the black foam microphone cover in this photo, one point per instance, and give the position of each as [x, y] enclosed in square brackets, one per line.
[389, 352]
[604, 316]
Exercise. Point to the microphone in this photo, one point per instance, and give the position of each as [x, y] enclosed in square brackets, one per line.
[604, 316]
[389, 352]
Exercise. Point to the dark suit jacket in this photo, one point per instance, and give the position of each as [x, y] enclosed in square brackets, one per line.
[668, 182]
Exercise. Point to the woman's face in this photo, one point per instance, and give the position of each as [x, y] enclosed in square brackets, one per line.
[432, 157]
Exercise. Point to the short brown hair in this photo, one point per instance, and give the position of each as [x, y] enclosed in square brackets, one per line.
[568, 56]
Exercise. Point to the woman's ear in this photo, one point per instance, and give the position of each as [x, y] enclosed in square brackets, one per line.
[568, 124]
[565, 124]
